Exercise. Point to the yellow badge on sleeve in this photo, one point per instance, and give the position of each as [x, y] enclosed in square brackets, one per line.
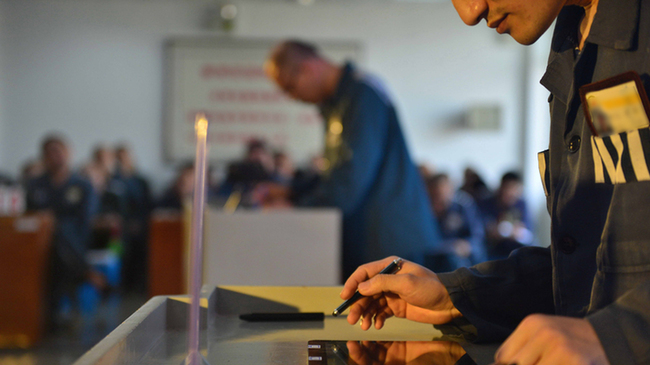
[616, 105]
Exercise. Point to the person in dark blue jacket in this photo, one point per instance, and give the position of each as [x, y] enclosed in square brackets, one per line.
[586, 299]
[368, 173]
[508, 225]
[460, 223]
[73, 202]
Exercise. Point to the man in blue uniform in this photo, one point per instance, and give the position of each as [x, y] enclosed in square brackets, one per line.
[506, 218]
[73, 203]
[369, 174]
[592, 285]
[459, 222]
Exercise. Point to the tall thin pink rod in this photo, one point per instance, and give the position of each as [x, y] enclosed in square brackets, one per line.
[196, 260]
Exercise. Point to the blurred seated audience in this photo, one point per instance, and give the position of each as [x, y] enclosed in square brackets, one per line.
[180, 190]
[460, 224]
[474, 185]
[73, 202]
[507, 222]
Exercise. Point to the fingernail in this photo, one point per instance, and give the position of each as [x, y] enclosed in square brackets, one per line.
[364, 285]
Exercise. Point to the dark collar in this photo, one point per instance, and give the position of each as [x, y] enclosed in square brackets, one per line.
[616, 24]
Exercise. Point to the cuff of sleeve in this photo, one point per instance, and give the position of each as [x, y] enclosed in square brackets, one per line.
[459, 327]
[451, 281]
[611, 337]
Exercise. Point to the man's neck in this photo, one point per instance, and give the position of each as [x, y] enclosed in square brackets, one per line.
[332, 79]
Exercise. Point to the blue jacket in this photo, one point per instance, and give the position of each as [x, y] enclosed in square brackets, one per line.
[598, 265]
[371, 177]
[74, 205]
[463, 221]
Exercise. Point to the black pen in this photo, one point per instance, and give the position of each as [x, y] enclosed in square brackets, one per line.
[392, 268]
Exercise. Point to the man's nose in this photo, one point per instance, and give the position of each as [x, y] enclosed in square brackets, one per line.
[471, 11]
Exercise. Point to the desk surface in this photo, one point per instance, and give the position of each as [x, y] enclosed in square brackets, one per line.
[156, 333]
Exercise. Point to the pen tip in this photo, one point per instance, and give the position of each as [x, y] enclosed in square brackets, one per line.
[335, 313]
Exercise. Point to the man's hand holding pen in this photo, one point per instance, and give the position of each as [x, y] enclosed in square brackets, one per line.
[414, 293]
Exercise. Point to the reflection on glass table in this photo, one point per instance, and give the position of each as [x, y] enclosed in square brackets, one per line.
[389, 352]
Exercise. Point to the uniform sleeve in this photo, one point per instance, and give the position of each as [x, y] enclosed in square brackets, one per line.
[623, 327]
[349, 183]
[496, 295]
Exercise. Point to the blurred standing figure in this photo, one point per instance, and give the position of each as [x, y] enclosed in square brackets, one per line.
[369, 174]
[507, 223]
[73, 203]
[136, 219]
[111, 188]
[459, 222]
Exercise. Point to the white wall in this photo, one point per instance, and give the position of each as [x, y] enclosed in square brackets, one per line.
[94, 70]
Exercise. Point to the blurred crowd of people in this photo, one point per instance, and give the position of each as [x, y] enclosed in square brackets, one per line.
[476, 222]
[107, 203]
[104, 205]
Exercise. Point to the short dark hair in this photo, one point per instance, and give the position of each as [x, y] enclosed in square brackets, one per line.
[53, 138]
[290, 53]
[255, 144]
[437, 179]
[511, 176]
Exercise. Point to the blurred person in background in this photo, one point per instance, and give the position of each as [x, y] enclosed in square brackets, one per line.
[368, 172]
[111, 187]
[474, 185]
[258, 153]
[108, 225]
[180, 190]
[244, 176]
[73, 202]
[459, 223]
[426, 171]
[507, 222]
[284, 171]
[307, 178]
[136, 219]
